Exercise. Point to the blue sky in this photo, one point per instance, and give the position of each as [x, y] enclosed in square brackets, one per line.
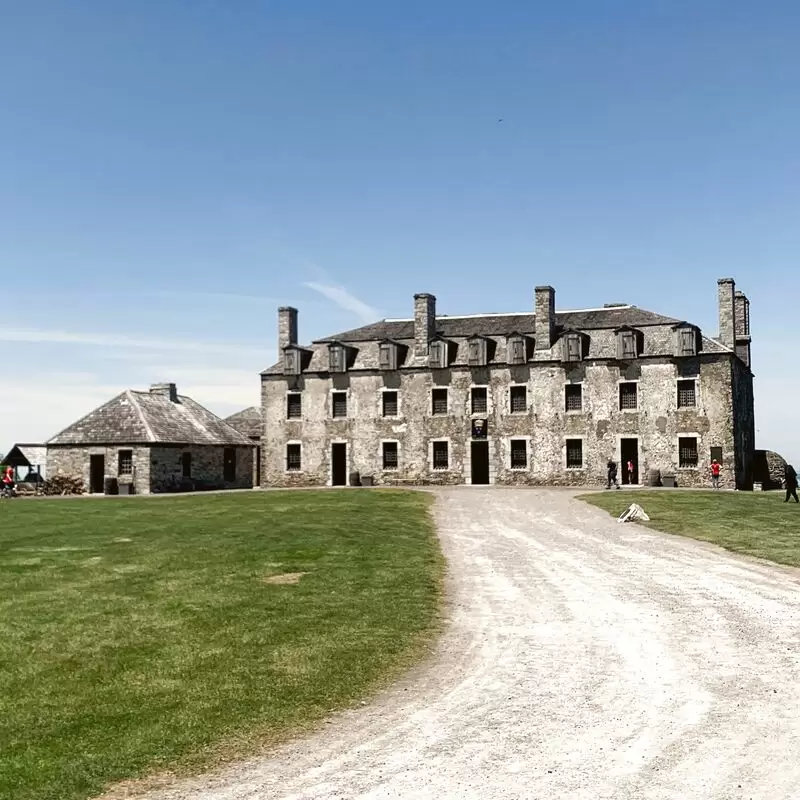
[170, 172]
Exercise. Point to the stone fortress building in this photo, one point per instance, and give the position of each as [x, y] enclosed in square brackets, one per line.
[538, 398]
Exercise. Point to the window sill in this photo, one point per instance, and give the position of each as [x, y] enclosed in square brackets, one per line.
[519, 469]
[574, 413]
[575, 469]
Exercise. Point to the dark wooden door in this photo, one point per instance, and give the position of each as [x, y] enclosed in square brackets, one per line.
[629, 451]
[97, 473]
[339, 464]
[480, 462]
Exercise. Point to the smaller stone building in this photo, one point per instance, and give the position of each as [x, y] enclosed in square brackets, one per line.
[155, 441]
[250, 423]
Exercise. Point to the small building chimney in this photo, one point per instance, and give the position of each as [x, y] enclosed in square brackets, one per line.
[424, 322]
[742, 319]
[545, 310]
[727, 312]
[287, 327]
[169, 390]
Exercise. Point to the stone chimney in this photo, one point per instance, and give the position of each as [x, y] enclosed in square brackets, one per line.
[169, 390]
[287, 327]
[424, 322]
[545, 310]
[727, 312]
[742, 319]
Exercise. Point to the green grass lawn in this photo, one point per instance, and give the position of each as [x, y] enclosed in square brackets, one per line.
[142, 634]
[755, 523]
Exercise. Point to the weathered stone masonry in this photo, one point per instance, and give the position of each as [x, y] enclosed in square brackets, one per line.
[521, 364]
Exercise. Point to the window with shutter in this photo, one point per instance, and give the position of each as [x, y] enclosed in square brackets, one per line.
[516, 350]
[688, 342]
[629, 344]
[336, 355]
[477, 353]
[291, 362]
[388, 356]
[437, 358]
[573, 348]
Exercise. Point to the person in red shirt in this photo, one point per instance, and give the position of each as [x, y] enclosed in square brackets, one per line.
[8, 479]
[715, 470]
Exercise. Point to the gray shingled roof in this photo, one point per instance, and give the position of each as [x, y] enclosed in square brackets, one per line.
[248, 421]
[144, 417]
[505, 324]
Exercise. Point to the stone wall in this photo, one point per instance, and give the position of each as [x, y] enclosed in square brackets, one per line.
[546, 425]
[744, 427]
[166, 468]
[74, 461]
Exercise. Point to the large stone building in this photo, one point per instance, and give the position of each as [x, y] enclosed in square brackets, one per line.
[155, 441]
[539, 398]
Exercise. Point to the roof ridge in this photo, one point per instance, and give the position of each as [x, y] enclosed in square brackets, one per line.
[135, 403]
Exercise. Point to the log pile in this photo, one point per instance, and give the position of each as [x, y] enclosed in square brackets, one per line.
[63, 485]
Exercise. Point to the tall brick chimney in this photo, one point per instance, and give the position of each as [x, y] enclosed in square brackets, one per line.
[726, 289]
[424, 322]
[742, 319]
[169, 390]
[287, 327]
[545, 310]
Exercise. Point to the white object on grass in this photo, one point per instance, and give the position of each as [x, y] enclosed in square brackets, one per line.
[634, 512]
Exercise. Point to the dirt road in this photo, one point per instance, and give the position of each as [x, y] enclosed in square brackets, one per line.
[583, 659]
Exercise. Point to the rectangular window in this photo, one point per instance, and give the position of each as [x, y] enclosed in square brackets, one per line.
[439, 401]
[339, 404]
[519, 454]
[716, 454]
[687, 339]
[476, 353]
[519, 399]
[389, 404]
[686, 394]
[336, 358]
[229, 464]
[186, 465]
[387, 355]
[437, 355]
[573, 397]
[628, 344]
[516, 350]
[478, 399]
[441, 458]
[573, 347]
[294, 405]
[293, 457]
[291, 362]
[125, 462]
[628, 396]
[574, 453]
[390, 455]
[687, 451]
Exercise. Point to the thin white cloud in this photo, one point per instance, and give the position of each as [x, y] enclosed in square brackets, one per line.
[37, 335]
[346, 301]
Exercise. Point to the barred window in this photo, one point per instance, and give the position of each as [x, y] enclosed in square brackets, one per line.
[686, 394]
[294, 405]
[519, 454]
[573, 397]
[390, 455]
[519, 399]
[479, 399]
[439, 401]
[389, 404]
[293, 457]
[574, 453]
[440, 455]
[340, 404]
[125, 462]
[687, 451]
[628, 396]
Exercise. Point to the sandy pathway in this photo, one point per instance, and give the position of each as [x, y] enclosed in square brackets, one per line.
[583, 659]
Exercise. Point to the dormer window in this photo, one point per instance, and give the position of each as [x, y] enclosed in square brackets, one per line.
[291, 361]
[476, 352]
[686, 341]
[387, 355]
[437, 354]
[628, 344]
[336, 358]
[573, 346]
[517, 350]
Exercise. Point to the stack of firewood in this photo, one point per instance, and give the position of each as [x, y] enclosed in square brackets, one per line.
[63, 485]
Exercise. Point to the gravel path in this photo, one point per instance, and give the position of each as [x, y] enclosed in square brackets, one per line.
[583, 659]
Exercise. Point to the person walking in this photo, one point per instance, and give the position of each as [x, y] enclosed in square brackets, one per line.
[716, 468]
[630, 472]
[611, 469]
[790, 483]
[8, 480]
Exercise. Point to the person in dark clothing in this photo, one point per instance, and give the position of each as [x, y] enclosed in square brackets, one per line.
[611, 468]
[790, 483]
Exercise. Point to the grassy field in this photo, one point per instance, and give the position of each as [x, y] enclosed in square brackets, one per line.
[144, 634]
[755, 523]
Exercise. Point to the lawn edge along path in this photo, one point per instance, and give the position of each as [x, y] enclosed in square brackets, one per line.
[753, 524]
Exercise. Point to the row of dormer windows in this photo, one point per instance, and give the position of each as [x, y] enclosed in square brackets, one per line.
[628, 400]
[442, 352]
